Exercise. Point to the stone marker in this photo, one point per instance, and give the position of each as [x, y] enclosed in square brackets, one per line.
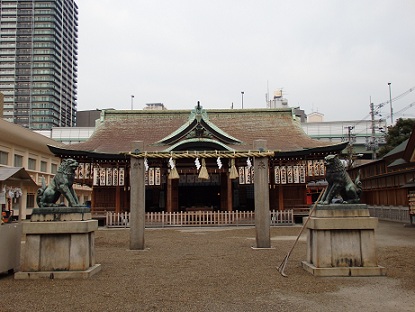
[137, 199]
[261, 191]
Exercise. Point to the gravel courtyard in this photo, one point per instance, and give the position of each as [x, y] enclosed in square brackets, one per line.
[215, 269]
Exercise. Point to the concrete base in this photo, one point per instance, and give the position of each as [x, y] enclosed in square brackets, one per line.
[59, 274]
[344, 271]
[60, 214]
[341, 242]
[59, 249]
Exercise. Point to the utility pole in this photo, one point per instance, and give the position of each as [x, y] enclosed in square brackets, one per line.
[372, 140]
[390, 102]
[350, 146]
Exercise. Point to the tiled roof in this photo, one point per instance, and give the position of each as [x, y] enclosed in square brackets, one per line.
[120, 128]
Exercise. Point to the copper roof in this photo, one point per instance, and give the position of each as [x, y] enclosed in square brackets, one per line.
[119, 129]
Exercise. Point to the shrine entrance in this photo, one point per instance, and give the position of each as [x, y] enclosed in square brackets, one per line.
[199, 197]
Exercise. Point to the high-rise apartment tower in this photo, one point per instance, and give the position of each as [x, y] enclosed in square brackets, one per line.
[38, 62]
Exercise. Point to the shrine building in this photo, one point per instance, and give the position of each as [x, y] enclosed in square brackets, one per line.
[200, 159]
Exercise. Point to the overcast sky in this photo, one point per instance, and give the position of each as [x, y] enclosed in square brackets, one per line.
[328, 56]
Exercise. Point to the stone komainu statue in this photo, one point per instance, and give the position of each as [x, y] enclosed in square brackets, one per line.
[339, 183]
[60, 185]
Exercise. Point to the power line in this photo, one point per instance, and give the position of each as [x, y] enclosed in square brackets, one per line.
[398, 97]
[379, 106]
[403, 109]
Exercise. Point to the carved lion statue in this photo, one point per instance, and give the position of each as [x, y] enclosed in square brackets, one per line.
[339, 183]
[60, 185]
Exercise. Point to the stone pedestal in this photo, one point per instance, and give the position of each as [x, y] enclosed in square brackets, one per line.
[10, 241]
[59, 244]
[341, 242]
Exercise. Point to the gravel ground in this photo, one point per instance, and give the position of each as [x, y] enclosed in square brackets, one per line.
[215, 269]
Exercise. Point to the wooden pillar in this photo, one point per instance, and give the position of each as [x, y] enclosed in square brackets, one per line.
[261, 192]
[22, 203]
[223, 192]
[137, 199]
[117, 199]
[175, 195]
[280, 197]
[280, 194]
[229, 193]
[169, 201]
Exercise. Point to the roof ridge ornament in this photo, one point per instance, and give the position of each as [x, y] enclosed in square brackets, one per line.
[198, 113]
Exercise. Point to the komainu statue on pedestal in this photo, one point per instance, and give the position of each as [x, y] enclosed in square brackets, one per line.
[339, 183]
[60, 185]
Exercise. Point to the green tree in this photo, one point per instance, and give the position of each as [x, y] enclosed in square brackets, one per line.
[398, 133]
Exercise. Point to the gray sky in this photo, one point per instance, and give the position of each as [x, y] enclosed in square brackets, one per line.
[328, 56]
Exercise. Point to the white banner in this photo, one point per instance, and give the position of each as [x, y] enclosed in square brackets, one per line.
[277, 179]
[157, 176]
[302, 174]
[289, 174]
[115, 177]
[310, 168]
[241, 175]
[121, 176]
[283, 172]
[296, 174]
[109, 176]
[95, 181]
[102, 179]
[150, 176]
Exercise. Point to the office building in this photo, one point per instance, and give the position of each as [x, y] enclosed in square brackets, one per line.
[38, 62]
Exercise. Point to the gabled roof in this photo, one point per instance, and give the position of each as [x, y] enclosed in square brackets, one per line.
[398, 149]
[15, 174]
[198, 127]
[404, 153]
[409, 154]
[232, 129]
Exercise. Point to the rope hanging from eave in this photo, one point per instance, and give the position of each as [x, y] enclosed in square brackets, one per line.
[233, 174]
[203, 174]
[202, 155]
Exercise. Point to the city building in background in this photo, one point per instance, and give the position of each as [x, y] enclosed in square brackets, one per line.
[277, 101]
[155, 106]
[364, 136]
[87, 118]
[38, 62]
[23, 150]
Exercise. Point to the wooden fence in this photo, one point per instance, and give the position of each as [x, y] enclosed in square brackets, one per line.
[390, 213]
[199, 218]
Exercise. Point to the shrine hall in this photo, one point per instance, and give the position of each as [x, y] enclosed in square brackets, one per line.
[200, 159]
